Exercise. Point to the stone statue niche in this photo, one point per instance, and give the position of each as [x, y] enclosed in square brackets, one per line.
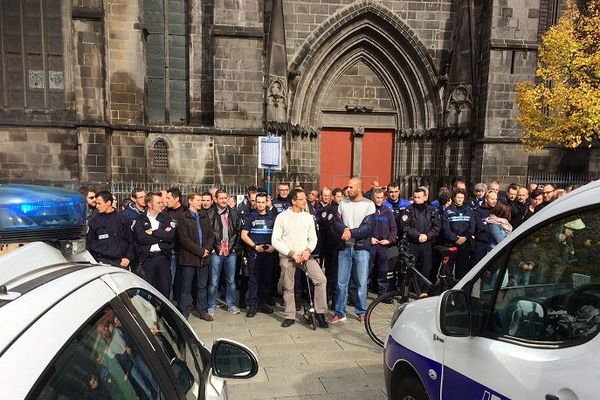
[459, 107]
[276, 102]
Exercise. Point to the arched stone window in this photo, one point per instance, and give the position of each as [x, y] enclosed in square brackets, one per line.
[160, 154]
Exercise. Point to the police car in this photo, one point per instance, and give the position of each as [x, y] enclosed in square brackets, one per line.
[523, 324]
[74, 329]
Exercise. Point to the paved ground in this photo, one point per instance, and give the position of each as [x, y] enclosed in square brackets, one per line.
[298, 363]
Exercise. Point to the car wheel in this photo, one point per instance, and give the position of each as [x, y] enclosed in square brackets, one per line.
[411, 389]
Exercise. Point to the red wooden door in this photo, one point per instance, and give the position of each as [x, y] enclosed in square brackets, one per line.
[336, 157]
[377, 154]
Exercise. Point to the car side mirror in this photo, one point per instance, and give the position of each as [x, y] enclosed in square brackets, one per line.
[233, 360]
[455, 314]
[182, 374]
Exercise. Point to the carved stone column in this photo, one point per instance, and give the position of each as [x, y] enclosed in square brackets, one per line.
[357, 150]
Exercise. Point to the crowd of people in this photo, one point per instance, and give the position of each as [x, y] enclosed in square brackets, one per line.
[203, 248]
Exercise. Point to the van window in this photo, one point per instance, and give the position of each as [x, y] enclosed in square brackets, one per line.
[550, 286]
[178, 344]
[100, 362]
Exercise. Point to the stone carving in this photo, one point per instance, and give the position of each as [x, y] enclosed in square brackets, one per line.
[458, 109]
[276, 102]
[358, 132]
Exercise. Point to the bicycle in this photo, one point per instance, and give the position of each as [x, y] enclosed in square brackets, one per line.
[415, 285]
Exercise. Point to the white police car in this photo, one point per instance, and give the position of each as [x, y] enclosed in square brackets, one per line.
[523, 324]
[74, 329]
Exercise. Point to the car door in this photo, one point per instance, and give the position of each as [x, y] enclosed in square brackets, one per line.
[538, 303]
[77, 350]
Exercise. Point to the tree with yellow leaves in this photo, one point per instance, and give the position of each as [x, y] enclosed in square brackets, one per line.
[563, 107]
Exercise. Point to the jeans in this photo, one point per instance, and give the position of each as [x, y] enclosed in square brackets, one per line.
[355, 263]
[216, 264]
[187, 279]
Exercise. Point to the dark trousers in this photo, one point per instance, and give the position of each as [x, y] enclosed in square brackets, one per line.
[331, 273]
[480, 249]
[462, 260]
[381, 268]
[422, 253]
[259, 283]
[189, 275]
[157, 272]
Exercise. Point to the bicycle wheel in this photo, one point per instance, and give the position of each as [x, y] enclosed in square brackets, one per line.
[379, 314]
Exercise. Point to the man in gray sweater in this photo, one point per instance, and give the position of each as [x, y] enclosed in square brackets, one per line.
[295, 237]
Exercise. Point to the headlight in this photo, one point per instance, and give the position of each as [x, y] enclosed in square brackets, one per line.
[397, 313]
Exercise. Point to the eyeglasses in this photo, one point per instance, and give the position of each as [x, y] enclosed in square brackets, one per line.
[91, 197]
[551, 191]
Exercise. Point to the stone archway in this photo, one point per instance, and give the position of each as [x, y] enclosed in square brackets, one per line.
[371, 33]
[368, 34]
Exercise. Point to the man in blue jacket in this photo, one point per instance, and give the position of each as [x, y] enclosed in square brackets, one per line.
[396, 203]
[458, 226]
[354, 225]
[384, 236]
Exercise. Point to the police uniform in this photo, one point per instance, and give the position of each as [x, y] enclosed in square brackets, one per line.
[154, 249]
[458, 221]
[385, 229]
[330, 246]
[109, 238]
[481, 243]
[398, 208]
[260, 229]
[281, 204]
[421, 219]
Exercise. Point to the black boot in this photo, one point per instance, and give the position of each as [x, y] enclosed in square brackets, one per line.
[251, 313]
[287, 323]
[321, 321]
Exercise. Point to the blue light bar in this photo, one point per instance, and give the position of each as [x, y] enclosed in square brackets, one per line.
[30, 212]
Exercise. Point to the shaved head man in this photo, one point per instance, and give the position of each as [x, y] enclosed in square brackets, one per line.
[354, 226]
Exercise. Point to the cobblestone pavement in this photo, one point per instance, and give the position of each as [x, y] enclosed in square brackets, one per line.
[298, 363]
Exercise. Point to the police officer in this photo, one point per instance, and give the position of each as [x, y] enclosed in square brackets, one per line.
[256, 234]
[421, 224]
[384, 236]
[332, 244]
[458, 226]
[137, 205]
[109, 238]
[396, 203]
[282, 201]
[154, 233]
[481, 214]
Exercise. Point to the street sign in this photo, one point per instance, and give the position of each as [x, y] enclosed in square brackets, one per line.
[269, 152]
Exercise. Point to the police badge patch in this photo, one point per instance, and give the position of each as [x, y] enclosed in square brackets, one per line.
[405, 218]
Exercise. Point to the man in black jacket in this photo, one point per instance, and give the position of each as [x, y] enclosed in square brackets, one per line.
[226, 226]
[154, 233]
[421, 224]
[482, 243]
[109, 237]
[196, 240]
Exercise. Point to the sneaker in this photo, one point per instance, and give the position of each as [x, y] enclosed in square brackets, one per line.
[287, 323]
[321, 321]
[251, 313]
[211, 312]
[207, 317]
[361, 318]
[336, 318]
[234, 310]
[265, 309]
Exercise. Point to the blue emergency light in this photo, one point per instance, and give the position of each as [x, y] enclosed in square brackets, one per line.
[30, 212]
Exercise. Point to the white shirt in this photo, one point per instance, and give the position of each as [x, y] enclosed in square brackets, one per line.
[155, 224]
[294, 232]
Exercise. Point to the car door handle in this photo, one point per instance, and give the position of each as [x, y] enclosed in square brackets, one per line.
[551, 397]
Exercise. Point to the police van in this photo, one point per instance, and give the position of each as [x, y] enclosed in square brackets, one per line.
[71, 328]
[523, 324]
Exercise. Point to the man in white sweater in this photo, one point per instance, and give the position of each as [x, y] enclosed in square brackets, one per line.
[295, 237]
